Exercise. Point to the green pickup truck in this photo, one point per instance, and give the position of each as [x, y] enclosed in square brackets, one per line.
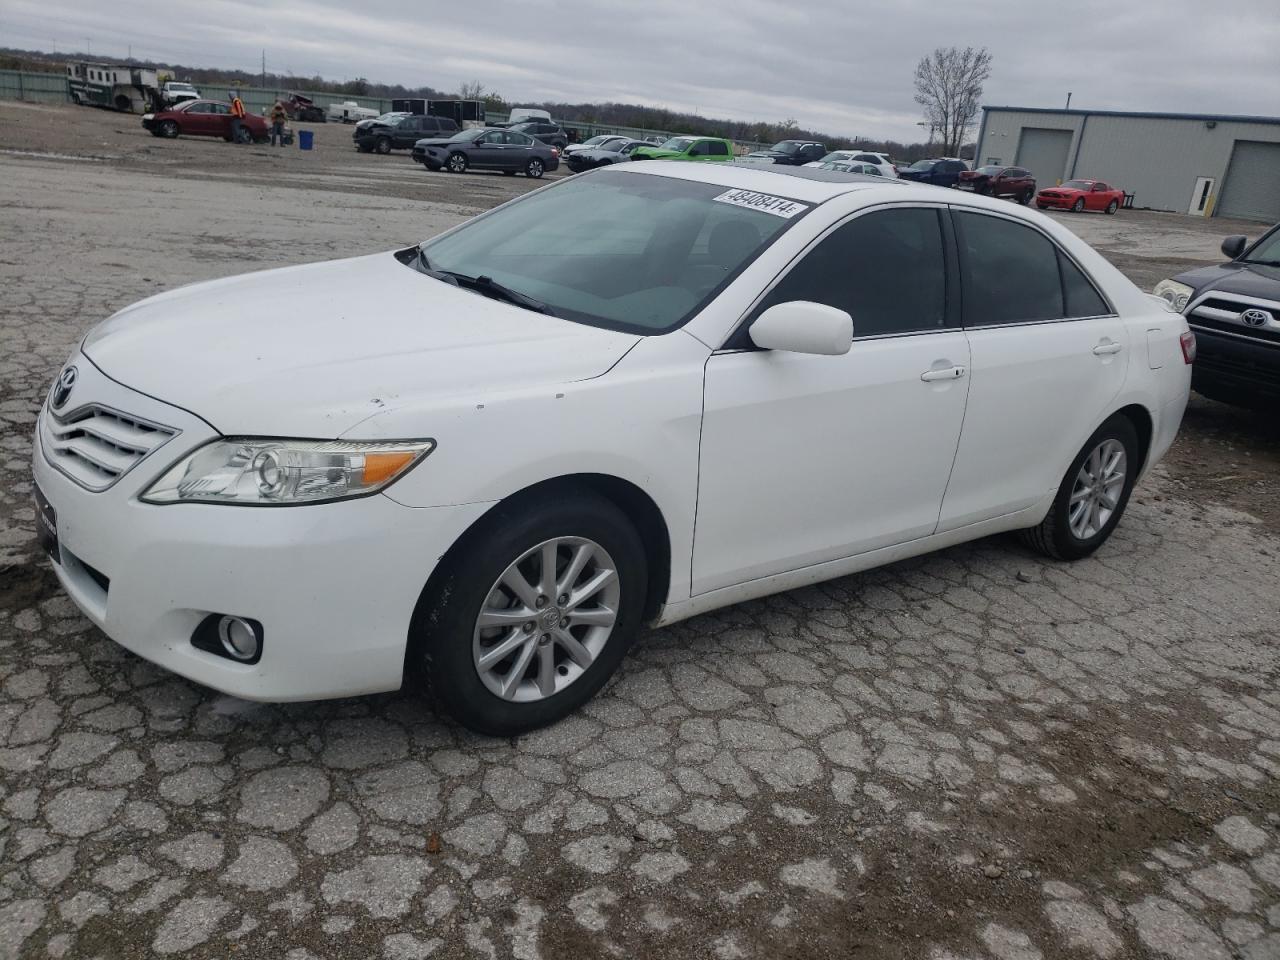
[687, 148]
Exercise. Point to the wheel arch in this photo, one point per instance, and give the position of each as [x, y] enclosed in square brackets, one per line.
[633, 501]
[1143, 424]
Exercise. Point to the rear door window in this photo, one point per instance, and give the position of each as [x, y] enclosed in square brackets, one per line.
[1009, 272]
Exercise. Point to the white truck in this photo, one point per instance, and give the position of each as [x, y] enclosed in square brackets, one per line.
[176, 91]
[349, 112]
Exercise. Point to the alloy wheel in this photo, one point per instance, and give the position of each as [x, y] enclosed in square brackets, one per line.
[458, 163]
[534, 169]
[546, 619]
[1097, 490]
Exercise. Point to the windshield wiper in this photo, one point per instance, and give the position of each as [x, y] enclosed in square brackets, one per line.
[1262, 263]
[482, 284]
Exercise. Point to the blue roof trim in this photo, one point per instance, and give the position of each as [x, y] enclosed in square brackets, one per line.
[1128, 113]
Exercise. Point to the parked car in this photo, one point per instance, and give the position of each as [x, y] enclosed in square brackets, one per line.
[791, 153]
[687, 148]
[882, 162]
[1080, 195]
[399, 131]
[997, 181]
[594, 143]
[850, 166]
[549, 133]
[204, 118]
[944, 172]
[1234, 310]
[613, 150]
[176, 91]
[522, 450]
[349, 112]
[521, 114]
[303, 108]
[487, 148]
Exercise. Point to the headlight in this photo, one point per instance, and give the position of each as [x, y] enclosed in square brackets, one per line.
[1174, 293]
[264, 472]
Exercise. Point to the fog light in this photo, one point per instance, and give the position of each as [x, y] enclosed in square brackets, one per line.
[239, 638]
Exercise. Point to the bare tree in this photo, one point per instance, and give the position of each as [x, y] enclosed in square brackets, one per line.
[949, 87]
[472, 91]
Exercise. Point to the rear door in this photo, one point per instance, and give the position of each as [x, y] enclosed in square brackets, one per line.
[1048, 356]
[409, 130]
[517, 150]
[805, 458]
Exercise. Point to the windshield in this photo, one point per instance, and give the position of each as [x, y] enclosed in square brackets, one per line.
[623, 251]
[837, 155]
[595, 141]
[182, 87]
[388, 117]
[1267, 250]
[679, 144]
[786, 146]
[922, 165]
[1078, 185]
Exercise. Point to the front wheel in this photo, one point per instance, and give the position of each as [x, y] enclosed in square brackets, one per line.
[1093, 494]
[383, 145]
[534, 169]
[1078, 206]
[458, 163]
[535, 613]
[169, 129]
[1113, 206]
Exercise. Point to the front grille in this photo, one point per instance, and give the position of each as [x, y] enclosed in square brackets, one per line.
[96, 446]
[1268, 334]
[1234, 307]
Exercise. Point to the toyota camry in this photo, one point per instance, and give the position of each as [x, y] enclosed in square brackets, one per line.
[489, 471]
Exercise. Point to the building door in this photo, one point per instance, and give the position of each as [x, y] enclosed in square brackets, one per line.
[1251, 189]
[1201, 197]
[1044, 153]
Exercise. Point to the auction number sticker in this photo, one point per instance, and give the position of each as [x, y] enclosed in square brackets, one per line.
[778, 206]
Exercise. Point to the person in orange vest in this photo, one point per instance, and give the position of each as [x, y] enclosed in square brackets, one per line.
[237, 116]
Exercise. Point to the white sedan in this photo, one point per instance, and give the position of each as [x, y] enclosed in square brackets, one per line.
[880, 161]
[484, 456]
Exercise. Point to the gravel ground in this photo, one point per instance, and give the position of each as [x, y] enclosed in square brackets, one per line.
[976, 754]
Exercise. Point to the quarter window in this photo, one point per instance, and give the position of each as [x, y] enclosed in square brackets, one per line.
[1083, 299]
[886, 269]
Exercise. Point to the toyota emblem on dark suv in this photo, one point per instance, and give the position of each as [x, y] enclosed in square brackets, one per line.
[1255, 317]
[62, 387]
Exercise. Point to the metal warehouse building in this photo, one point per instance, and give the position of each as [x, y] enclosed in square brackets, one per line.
[1203, 165]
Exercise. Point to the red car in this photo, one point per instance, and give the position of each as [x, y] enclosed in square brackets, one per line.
[1080, 195]
[1013, 182]
[204, 118]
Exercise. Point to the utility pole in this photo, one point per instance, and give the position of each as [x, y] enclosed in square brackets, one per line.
[1068, 107]
[130, 57]
[264, 67]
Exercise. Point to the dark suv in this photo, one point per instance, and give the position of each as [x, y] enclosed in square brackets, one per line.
[552, 134]
[1234, 309]
[1013, 182]
[941, 173]
[792, 153]
[399, 132]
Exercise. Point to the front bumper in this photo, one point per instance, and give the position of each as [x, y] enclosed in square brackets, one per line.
[333, 585]
[1054, 203]
[1235, 364]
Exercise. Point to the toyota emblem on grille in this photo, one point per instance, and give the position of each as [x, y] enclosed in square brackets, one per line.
[1255, 317]
[62, 387]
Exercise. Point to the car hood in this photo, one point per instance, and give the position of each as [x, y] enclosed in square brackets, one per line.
[436, 142]
[657, 153]
[313, 351]
[363, 125]
[1247, 279]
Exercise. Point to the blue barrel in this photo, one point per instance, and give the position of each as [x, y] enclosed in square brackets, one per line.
[304, 139]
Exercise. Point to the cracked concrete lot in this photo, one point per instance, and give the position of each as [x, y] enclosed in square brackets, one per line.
[976, 754]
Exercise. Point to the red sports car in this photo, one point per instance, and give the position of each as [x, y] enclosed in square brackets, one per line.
[1080, 195]
[204, 118]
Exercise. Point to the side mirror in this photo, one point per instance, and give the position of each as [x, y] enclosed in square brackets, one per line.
[803, 327]
[1234, 246]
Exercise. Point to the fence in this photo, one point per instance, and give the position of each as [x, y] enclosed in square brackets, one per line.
[52, 88]
[39, 87]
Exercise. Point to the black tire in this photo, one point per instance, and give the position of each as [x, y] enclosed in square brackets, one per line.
[169, 129]
[534, 169]
[364, 148]
[457, 163]
[1026, 198]
[444, 622]
[383, 146]
[1113, 206]
[1078, 206]
[1053, 536]
[246, 135]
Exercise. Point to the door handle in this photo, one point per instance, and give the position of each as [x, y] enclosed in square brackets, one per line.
[946, 373]
[1107, 348]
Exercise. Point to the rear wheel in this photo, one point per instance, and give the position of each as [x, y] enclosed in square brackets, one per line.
[535, 613]
[458, 163]
[1027, 197]
[245, 135]
[1093, 495]
[383, 145]
[1113, 206]
[534, 168]
[1078, 206]
[169, 128]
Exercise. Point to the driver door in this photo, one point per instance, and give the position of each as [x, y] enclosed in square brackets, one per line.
[805, 458]
[489, 150]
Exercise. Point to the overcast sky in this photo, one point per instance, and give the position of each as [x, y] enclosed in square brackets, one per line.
[838, 66]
